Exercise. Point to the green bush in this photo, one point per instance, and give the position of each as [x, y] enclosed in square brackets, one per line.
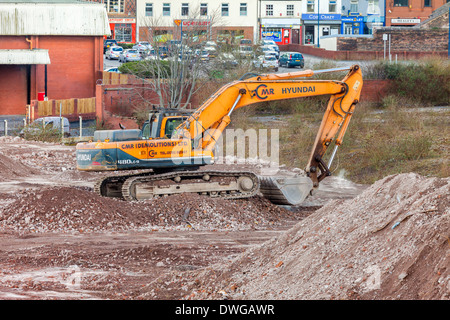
[37, 133]
[426, 81]
[147, 69]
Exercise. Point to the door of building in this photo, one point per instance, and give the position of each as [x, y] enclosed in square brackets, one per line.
[296, 36]
[309, 34]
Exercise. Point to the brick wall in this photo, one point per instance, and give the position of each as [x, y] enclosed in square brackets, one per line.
[402, 39]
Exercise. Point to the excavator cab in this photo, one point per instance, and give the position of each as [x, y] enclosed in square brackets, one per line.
[161, 126]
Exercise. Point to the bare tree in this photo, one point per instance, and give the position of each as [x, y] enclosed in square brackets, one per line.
[173, 66]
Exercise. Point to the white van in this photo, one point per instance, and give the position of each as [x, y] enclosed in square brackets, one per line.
[47, 123]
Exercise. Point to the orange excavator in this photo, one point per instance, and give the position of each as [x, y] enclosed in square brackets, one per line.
[167, 153]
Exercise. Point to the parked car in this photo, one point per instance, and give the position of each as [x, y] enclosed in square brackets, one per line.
[108, 43]
[113, 69]
[246, 51]
[266, 62]
[142, 46]
[227, 60]
[265, 42]
[113, 52]
[267, 50]
[291, 59]
[129, 55]
[46, 123]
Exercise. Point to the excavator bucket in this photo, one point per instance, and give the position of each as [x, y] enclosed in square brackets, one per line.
[286, 190]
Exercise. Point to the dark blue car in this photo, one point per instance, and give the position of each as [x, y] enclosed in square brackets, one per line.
[291, 59]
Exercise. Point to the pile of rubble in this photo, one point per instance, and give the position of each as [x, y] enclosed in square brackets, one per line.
[79, 209]
[390, 242]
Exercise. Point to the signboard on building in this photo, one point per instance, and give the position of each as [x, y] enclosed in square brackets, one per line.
[405, 20]
[192, 23]
[122, 20]
[352, 19]
[323, 16]
[271, 35]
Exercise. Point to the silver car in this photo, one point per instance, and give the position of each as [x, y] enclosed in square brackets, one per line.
[113, 52]
[129, 55]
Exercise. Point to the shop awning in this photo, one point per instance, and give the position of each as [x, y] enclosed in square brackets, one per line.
[24, 56]
[280, 22]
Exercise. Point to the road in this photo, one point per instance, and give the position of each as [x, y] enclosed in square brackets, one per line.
[310, 62]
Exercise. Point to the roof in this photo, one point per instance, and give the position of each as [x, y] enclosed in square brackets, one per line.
[53, 18]
[24, 56]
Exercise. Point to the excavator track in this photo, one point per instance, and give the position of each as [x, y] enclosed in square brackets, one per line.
[111, 186]
[219, 184]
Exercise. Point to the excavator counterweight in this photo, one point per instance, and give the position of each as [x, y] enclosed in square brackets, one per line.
[169, 150]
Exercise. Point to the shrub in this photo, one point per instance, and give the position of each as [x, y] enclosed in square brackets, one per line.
[147, 69]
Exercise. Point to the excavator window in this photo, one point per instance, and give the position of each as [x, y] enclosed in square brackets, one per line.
[146, 131]
[171, 125]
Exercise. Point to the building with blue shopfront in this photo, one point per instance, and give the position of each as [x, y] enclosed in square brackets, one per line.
[361, 17]
[318, 25]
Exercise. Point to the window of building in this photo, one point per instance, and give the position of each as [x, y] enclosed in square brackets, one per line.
[122, 32]
[332, 6]
[243, 9]
[203, 9]
[114, 6]
[289, 10]
[149, 9]
[185, 9]
[373, 7]
[427, 3]
[225, 10]
[310, 6]
[354, 5]
[166, 9]
[269, 9]
[400, 3]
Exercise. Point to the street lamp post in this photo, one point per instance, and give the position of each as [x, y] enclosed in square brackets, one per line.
[318, 23]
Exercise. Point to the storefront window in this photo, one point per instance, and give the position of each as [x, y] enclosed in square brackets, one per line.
[309, 34]
[272, 34]
[122, 32]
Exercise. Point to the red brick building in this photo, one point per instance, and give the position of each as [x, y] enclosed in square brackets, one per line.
[408, 13]
[49, 47]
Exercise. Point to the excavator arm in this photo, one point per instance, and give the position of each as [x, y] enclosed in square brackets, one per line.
[208, 122]
[173, 162]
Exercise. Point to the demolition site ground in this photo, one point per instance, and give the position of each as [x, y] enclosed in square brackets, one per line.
[60, 240]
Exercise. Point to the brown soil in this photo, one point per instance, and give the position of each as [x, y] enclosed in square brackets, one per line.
[59, 240]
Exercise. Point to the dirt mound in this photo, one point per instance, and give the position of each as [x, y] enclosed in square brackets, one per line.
[390, 242]
[78, 209]
[11, 169]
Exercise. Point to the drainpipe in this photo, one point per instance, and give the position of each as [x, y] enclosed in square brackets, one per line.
[30, 42]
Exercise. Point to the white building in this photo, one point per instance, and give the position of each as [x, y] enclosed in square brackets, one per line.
[280, 20]
[224, 20]
[286, 21]
[320, 18]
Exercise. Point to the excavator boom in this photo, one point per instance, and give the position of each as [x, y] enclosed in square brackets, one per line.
[195, 138]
